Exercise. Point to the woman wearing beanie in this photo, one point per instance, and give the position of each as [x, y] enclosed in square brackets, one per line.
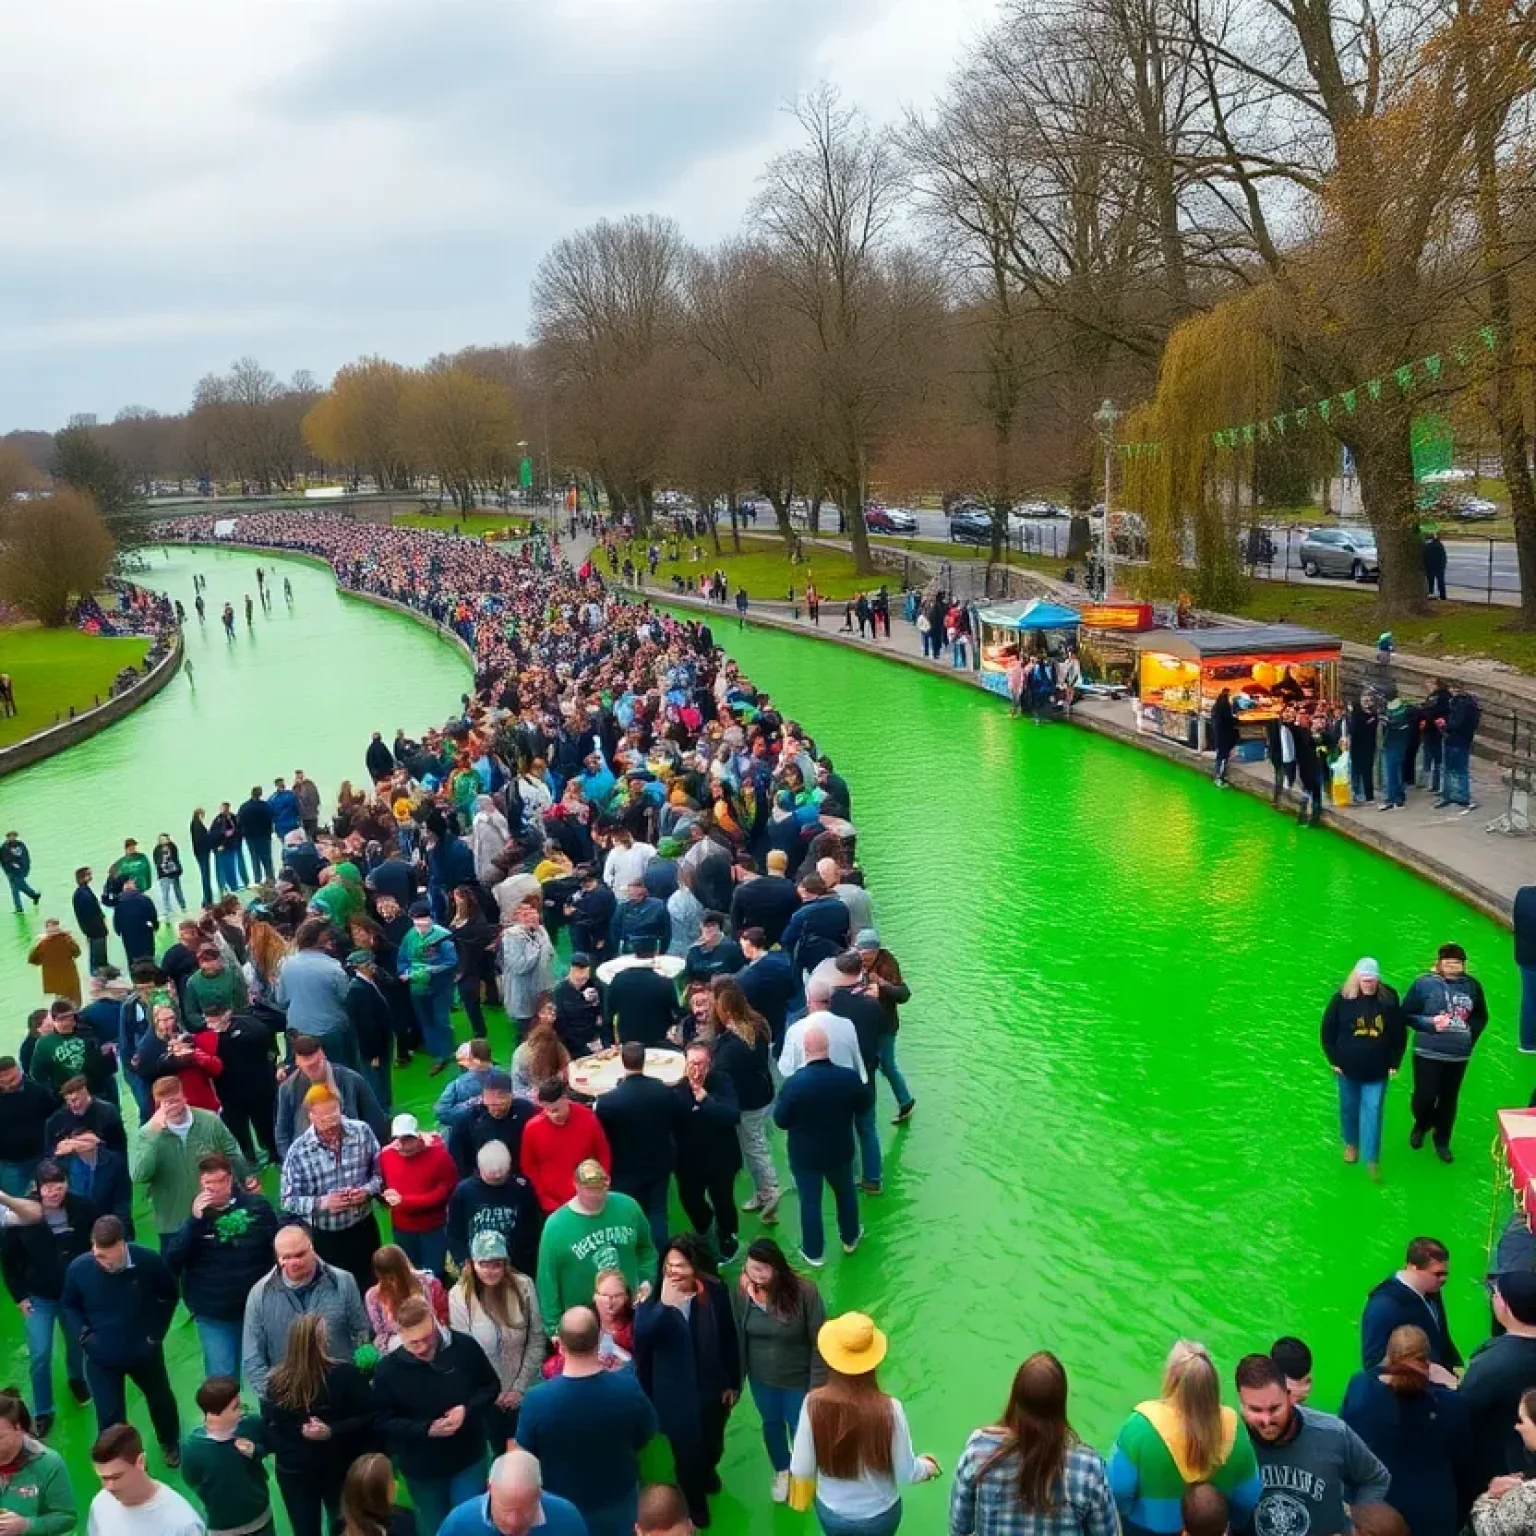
[1184, 1436]
[853, 1450]
[1364, 1038]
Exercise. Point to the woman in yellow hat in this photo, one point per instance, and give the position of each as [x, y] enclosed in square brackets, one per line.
[853, 1450]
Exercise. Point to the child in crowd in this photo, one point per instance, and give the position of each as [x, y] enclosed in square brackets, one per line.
[1295, 1360]
[221, 1462]
[1205, 1511]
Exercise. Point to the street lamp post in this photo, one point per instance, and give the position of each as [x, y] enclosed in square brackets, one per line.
[1106, 417]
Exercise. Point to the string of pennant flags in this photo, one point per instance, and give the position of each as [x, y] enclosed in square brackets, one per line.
[1407, 376]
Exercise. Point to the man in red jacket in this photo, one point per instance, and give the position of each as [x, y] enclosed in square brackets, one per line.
[556, 1142]
[419, 1176]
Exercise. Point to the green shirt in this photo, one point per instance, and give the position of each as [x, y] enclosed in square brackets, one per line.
[135, 867]
[231, 1485]
[226, 987]
[40, 1492]
[61, 1057]
[575, 1247]
[167, 1163]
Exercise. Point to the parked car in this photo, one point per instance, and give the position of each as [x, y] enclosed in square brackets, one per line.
[971, 528]
[1341, 552]
[1475, 509]
[890, 520]
[1031, 509]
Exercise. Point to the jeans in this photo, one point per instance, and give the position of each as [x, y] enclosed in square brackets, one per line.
[426, 1250]
[39, 1330]
[148, 1374]
[1458, 780]
[808, 1183]
[170, 885]
[227, 866]
[1436, 1089]
[957, 654]
[1392, 776]
[435, 1497]
[1527, 1007]
[16, 1178]
[1361, 1107]
[220, 1339]
[20, 888]
[1434, 747]
[260, 850]
[752, 1133]
[869, 1145]
[436, 1028]
[892, 1073]
[883, 1524]
[780, 1409]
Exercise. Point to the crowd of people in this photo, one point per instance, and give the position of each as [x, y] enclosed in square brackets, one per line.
[536, 1340]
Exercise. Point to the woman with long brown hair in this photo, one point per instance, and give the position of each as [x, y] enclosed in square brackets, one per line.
[317, 1415]
[1029, 1473]
[853, 1451]
[1422, 1433]
[541, 1057]
[266, 947]
[396, 1280]
[368, 1500]
[742, 1052]
[498, 1308]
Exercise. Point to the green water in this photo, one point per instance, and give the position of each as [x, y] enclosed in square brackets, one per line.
[1125, 1130]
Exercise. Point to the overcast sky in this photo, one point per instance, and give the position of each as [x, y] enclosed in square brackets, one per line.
[307, 182]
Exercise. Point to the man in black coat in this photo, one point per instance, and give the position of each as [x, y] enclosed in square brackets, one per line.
[135, 920]
[497, 1117]
[25, 1107]
[82, 1116]
[708, 1151]
[1434, 565]
[591, 915]
[90, 919]
[642, 1003]
[254, 819]
[640, 1119]
[765, 901]
[248, 1083]
[767, 980]
[378, 759]
[578, 1008]
[818, 1106]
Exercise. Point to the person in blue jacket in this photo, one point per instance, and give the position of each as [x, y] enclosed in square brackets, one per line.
[284, 806]
[1412, 1297]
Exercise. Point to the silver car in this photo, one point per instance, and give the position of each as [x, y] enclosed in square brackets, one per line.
[1341, 552]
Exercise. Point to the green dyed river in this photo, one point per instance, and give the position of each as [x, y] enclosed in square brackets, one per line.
[1125, 1130]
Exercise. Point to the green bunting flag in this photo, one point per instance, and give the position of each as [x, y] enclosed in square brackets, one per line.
[1462, 354]
[1280, 423]
[1432, 365]
[1247, 435]
[1348, 397]
[1490, 336]
[1404, 377]
[1373, 388]
[1325, 409]
[1301, 416]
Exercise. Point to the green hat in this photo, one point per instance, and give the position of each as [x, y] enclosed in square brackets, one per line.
[361, 957]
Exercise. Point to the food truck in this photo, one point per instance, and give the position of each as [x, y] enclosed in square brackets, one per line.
[1180, 672]
[1029, 627]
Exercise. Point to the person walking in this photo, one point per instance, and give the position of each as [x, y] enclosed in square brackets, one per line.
[1448, 1013]
[587, 1404]
[778, 1319]
[499, 1309]
[1182, 1437]
[429, 1400]
[118, 1299]
[330, 1178]
[1363, 1038]
[1421, 1433]
[16, 863]
[54, 954]
[818, 1106]
[317, 1416]
[708, 1148]
[1029, 1474]
[882, 981]
[853, 1449]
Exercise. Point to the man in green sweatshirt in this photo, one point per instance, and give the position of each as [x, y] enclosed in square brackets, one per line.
[164, 1154]
[596, 1230]
[221, 1462]
[133, 866]
[214, 982]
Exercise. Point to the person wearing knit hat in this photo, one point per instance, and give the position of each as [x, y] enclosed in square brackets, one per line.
[1364, 1037]
[828, 1465]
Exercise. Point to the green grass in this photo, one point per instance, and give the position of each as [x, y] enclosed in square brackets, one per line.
[449, 521]
[1452, 629]
[53, 668]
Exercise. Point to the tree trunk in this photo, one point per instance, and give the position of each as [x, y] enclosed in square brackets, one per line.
[1384, 462]
[735, 528]
[780, 504]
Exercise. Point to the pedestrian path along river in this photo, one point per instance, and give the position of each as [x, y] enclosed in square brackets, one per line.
[1125, 1130]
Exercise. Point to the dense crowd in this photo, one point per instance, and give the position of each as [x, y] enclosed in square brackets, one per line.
[615, 791]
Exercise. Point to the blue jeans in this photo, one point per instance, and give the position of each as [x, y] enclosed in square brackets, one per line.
[1361, 1107]
[221, 1346]
[780, 1409]
[1527, 1008]
[1392, 776]
[432, 1014]
[20, 888]
[808, 1184]
[227, 867]
[171, 887]
[16, 1178]
[869, 1145]
[1458, 781]
[434, 1498]
[883, 1524]
[39, 1329]
[426, 1250]
[892, 1073]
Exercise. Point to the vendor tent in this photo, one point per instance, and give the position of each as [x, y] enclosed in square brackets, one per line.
[1037, 613]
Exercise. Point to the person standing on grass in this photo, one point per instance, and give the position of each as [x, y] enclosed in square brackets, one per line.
[131, 1502]
[1363, 1039]
[598, 1229]
[1448, 1013]
[168, 872]
[708, 1148]
[498, 1308]
[165, 1153]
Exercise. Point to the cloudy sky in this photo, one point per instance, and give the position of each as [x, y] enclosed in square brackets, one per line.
[311, 180]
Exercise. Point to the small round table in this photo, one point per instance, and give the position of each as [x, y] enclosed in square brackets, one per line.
[602, 1073]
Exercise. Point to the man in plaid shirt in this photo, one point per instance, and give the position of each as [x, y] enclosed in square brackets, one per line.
[330, 1178]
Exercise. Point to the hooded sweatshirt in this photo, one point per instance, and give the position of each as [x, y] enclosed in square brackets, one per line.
[39, 1492]
[1365, 1037]
[1149, 1470]
[1462, 999]
[428, 959]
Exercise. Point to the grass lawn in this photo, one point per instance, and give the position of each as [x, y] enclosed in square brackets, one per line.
[1452, 629]
[449, 521]
[53, 668]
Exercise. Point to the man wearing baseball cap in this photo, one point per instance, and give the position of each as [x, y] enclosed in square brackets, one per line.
[420, 1177]
[596, 1229]
[1499, 1374]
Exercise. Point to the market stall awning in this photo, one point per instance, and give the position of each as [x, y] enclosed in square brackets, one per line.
[1037, 613]
[1290, 640]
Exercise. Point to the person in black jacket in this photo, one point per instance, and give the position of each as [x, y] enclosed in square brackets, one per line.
[688, 1360]
[578, 1009]
[640, 1119]
[1224, 733]
[201, 840]
[219, 1252]
[25, 1107]
[1363, 722]
[765, 901]
[642, 1003]
[497, 1117]
[120, 1310]
[379, 760]
[1525, 962]
[768, 981]
[1434, 565]
[708, 1150]
[373, 1023]
[90, 919]
[36, 1248]
[1364, 1038]
[1461, 720]
[818, 1106]
[430, 1398]
[254, 818]
[83, 1116]
[1432, 713]
[591, 914]
[247, 1085]
[1413, 1295]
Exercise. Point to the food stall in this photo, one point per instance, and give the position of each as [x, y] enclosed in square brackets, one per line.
[1108, 637]
[1007, 630]
[1180, 672]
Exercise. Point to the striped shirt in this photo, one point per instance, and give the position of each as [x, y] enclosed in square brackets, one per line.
[313, 1170]
[986, 1503]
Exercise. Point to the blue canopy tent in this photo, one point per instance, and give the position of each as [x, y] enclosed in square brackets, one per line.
[1003, 627]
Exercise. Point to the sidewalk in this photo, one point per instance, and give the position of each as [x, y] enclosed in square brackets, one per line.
[1453, 849]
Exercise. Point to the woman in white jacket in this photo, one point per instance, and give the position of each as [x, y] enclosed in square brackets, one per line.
[497, 1307]
[488, 839]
